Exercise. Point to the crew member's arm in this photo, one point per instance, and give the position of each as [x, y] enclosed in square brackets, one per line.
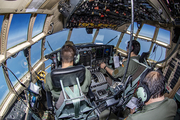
[103, 66]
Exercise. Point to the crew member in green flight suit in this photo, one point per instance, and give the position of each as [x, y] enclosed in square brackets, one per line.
[158, 107]
[133, 66]
[68, 52]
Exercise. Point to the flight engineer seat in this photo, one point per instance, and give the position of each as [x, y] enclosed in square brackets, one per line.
[75, 104]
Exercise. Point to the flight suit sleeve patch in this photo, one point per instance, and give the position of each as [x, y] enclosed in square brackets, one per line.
[116, 71]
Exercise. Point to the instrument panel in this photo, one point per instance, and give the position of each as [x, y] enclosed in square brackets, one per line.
[92, 55]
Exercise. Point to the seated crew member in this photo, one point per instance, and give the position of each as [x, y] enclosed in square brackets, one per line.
[67, 55]
[133, 66]
[157, 107]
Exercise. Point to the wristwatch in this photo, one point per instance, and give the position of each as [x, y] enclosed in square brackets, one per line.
[105, 67]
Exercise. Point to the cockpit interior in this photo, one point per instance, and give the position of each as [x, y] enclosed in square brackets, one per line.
[32, 33]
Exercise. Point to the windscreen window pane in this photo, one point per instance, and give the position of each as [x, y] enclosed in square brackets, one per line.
[163, 36]
[18, 66]
[48, 62]
[158, 53]
[147, 31]
[18, 29]
[145, 45]
[48, 70]
[79, 35]
[124, 41]
[106, 35]
[1, 21]
[38, 25]
[35, 52]
[135, 27]
[55, 41]
[3, 86]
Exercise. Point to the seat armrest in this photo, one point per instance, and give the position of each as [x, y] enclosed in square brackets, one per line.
[90, 95]
[49, 100]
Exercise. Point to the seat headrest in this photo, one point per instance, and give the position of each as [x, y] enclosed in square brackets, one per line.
[68, 76]
[144, 55]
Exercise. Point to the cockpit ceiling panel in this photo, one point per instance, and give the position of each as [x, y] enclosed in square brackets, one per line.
[113, 13]
[173, 6]
[49, 4]
[12, 6]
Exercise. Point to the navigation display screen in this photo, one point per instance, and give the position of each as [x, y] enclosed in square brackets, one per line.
[107, 52]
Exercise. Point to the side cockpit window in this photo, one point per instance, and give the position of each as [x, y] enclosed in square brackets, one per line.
[18, 65]
[135, 27]
[35, 52]
[124, 41]
[39, 24]
[3, 86]
[164, 36]
[1, 21]
[48, 65]
[18, 29]
[145, 45]
[149, 42]
[147, 31]
[158, 53]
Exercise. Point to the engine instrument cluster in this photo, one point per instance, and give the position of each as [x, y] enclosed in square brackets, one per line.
[92, 55]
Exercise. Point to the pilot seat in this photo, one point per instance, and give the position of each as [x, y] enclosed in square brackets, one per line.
[72, 103]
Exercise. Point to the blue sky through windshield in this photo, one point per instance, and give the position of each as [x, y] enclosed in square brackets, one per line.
[18, 29]
[3, 86]
[56, 41]
[38, 25]
[36, 52]
[147, 30]
[1, 20]
[81, 36]
[105, 35]
[18, 66]
[164, 36]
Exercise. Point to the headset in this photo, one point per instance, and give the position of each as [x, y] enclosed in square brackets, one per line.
[76, 56]
[135, 43]
[143, 91]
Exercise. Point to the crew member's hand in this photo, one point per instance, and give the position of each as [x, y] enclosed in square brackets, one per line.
[124, 60]
[132, 110]
[102, 65]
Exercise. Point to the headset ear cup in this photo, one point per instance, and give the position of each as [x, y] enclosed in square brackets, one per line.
[143, 93]
[76, 58]
[59, 56]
